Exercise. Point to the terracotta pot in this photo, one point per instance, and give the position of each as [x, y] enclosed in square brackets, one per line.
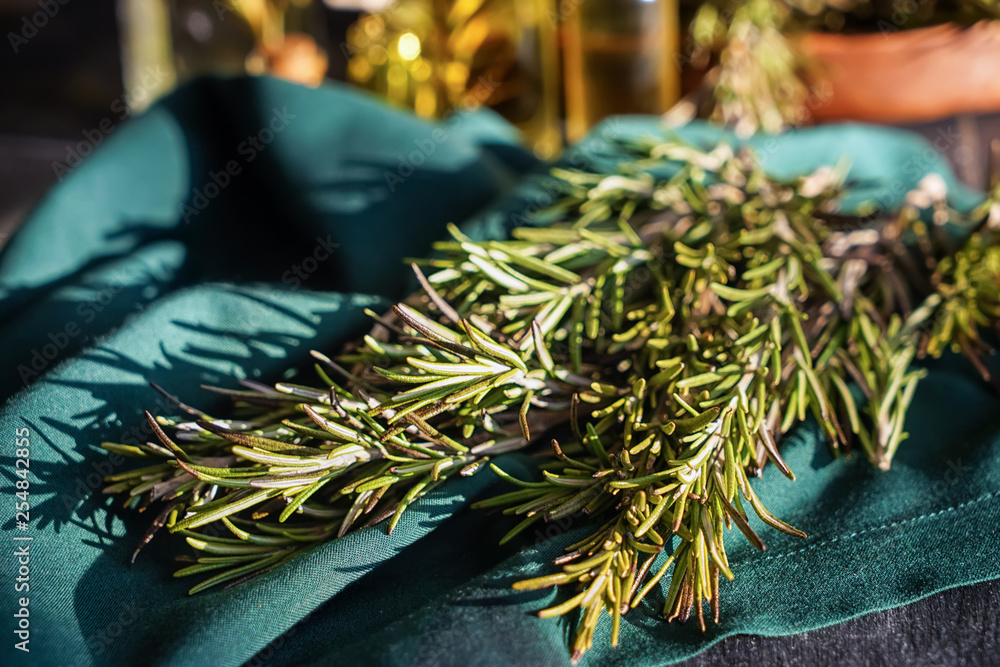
[905, 76]
[298, 58]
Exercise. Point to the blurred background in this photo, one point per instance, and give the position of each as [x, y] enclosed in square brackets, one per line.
[74, 70]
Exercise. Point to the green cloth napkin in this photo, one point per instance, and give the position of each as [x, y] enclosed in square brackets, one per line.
[136, 268]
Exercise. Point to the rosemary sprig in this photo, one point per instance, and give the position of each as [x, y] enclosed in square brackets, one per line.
[661, 335]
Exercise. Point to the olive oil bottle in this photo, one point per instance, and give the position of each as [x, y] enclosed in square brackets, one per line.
[620, 56]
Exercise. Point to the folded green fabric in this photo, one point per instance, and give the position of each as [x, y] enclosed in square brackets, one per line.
[242, 222]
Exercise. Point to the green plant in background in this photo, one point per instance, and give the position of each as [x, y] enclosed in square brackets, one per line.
[650, 342]
[757, 76]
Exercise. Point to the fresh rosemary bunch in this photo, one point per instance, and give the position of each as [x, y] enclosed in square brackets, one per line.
[652, 342]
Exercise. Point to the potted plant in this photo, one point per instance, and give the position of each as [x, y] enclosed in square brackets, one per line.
[774, 63]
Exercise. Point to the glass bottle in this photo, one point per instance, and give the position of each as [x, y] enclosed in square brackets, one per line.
[620, 57]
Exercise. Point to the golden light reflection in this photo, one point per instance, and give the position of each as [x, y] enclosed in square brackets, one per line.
[425, 101]
[409, 46]
[360, 70]
[421, 71]
[377, 54]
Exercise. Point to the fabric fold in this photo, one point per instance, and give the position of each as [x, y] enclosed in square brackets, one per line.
[238, 271]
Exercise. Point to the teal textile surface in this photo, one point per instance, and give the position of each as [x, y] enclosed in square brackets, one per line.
[188, 250]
